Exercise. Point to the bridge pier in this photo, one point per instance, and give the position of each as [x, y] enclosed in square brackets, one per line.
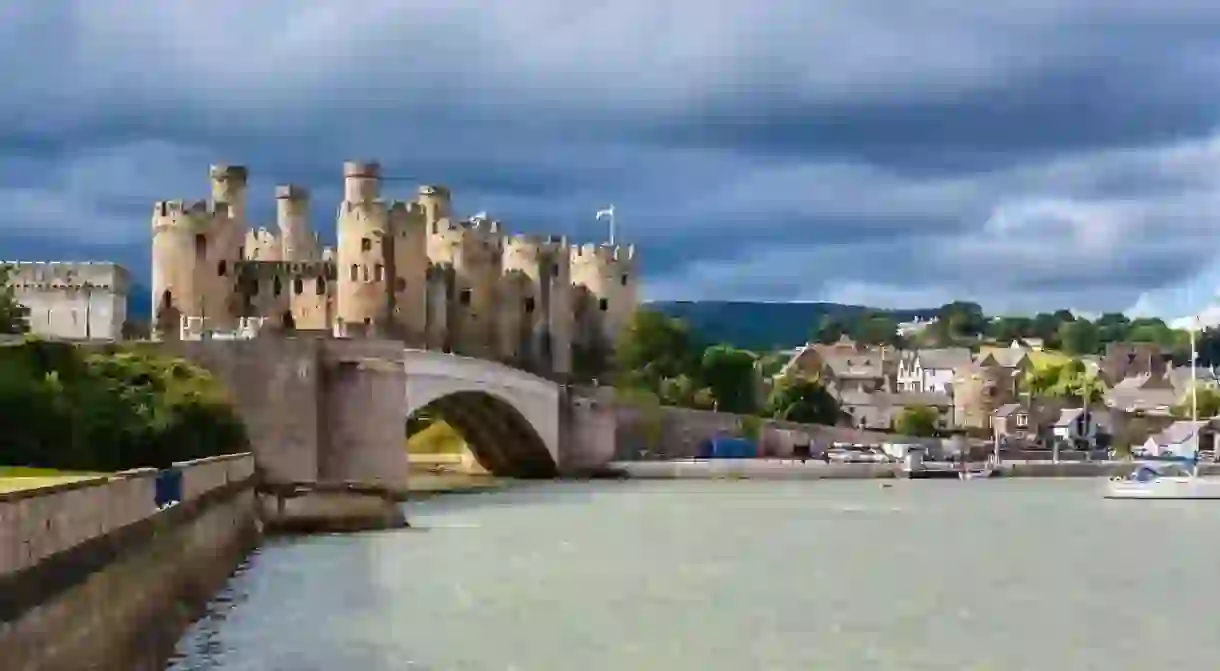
[325, 422]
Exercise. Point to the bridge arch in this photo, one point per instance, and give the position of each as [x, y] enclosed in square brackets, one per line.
[509, 418]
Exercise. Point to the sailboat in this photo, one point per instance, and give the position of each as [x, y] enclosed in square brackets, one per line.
[1171, 480]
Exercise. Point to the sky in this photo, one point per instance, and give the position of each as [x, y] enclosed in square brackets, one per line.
[1027, 156]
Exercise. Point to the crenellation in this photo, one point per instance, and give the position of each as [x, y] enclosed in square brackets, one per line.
[409, 269]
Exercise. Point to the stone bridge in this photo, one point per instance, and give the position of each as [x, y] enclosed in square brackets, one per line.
[322, 410]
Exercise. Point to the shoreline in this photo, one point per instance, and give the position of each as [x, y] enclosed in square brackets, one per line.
[785, 469]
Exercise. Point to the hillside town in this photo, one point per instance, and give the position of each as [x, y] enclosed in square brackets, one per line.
[1132, 397]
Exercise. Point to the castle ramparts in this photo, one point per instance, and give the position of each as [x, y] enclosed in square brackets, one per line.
[407, 270]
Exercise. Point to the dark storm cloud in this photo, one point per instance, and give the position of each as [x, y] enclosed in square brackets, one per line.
[1025, 156]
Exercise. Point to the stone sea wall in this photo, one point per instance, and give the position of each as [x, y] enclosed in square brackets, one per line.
[94, 576]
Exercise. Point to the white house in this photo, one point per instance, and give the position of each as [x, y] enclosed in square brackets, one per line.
[1075, 426]
[1181, 439]
[931, 370]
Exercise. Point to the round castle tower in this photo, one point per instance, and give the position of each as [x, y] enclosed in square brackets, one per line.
[179, 232]
[546, 301]
[437, 202]
[364, 239]
[605, 285]
[297, 241]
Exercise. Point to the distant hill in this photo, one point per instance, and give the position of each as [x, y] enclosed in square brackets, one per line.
[763, 326]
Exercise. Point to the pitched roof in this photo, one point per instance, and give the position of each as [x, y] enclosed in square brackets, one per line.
[944, 358]
[884, 399]
[1068, 416]
[1006, 409]
[1140, 399]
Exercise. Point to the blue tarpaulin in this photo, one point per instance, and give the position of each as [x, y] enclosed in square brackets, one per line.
[728, 448]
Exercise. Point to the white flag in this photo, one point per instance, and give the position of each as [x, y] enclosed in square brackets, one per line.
[606, 213]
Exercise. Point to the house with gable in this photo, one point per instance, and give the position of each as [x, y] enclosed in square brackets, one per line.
[930, 370]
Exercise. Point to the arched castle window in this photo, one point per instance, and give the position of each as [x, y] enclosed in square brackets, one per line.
[297, 286]
[319, 286]
[277, 285]
[366, 245]
[365, 270]
[378, 272]
[623, 279]
[400, 284]
[464, 297]
[222, 268]
[355, 272]
[201, 246]
[529, 305]
[603, 305]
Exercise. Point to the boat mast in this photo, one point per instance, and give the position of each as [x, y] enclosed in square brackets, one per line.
[1194, 394]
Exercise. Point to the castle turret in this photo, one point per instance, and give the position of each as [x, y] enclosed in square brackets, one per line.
[292, 218]
[229, 184]
[437, 203]
[605, 276]
[179, 255]
[365, 250]
[361, 181]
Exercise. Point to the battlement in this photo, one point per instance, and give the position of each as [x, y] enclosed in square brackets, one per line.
[406, 207]
[363, 169]
[104, 275]
[237, 174]
[249, 270]
[435, 191]
[291, 192]
[603, 253]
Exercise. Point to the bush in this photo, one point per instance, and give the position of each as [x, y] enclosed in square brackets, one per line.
[105, 411]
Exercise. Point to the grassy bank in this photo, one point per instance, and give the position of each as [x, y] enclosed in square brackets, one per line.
[13, 478]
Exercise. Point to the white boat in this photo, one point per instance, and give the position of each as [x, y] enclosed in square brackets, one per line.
[976, 475]
[1163, 481]
[1171, 480]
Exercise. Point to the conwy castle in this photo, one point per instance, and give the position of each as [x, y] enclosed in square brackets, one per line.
[404, 270]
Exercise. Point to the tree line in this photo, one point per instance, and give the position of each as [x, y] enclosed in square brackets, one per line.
[664, 357]
[108, 409]
[963, 323]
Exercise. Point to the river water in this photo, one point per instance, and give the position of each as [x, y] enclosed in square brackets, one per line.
[738, 575]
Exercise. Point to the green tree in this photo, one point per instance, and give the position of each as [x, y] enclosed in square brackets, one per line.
[917, 420]
[731, 375]
[1207, 403]
[963, 319]
[804, 400]
[685, 391]
[1007, 329]
[828, 330]
[876, 329]
[13, 315]
[653, 347]
[1075, 382]
[1079, 336]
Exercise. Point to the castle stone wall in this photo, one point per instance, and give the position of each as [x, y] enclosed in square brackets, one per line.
[71, 300]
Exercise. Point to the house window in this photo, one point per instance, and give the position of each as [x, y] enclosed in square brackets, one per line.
[298, 286]
[319, 286]
[277, 286]
[623, 280]
[529, 305]
[366, 245]
[464, 297]
[221, 268]
[355, 272]
[378, 272]
[1022, 421]
[603, 305]
[365, 270]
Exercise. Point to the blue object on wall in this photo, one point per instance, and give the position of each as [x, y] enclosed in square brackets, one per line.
[168, 487]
